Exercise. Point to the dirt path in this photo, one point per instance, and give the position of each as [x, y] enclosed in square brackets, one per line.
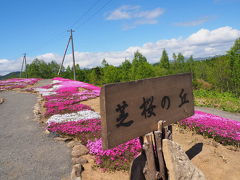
[216, 161]
[26, 153]
[42, 83]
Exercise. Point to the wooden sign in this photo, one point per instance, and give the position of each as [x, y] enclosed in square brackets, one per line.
[133, 109]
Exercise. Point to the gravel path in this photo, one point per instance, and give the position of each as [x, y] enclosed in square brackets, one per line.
[26, 153]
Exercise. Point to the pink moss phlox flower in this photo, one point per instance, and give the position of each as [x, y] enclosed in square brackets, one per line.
[76, 127]
[17, 83]
[64, 95]
[66, 108]
[130, 148]
[78, 84]
[213, 125]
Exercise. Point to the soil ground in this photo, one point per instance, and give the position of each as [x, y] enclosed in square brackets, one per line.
[23, 146]
[216, 161]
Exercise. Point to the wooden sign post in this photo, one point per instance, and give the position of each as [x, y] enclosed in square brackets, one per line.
[133, 109]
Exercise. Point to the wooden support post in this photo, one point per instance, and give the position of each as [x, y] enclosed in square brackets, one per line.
[168, 132]
[150, 164]
[150, 171]
[138, 164]
[158, 140]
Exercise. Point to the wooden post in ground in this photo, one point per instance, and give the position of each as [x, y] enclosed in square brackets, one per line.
[150, 171]
[158, 140]
[150, 164]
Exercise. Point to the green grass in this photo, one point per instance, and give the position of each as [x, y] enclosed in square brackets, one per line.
[224, 101]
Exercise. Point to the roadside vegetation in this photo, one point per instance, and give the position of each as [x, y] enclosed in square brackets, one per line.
[225, 101]
[216, 80]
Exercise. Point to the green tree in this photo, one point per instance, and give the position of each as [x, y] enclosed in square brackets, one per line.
[125, 73]
[190, 64]
[174, 57]
[95, 76]
[53, 67]
[39, 68]
[110, 74]
[164, 61]
[104, 63]
[180, 58]
[140, 67]
[68, 73]
[234, 62]
[80, 74]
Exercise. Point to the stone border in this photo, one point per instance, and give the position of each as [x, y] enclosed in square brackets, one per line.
[1, 100]
[77, 149]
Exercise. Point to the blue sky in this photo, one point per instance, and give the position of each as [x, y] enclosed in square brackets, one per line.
[114, 29]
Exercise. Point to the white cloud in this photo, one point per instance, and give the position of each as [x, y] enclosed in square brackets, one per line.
[221, 35]
[135, 16]
[123, 12]
[203, 43]
[194, 22]
[7, 66]
[2, 61]
[48, 57]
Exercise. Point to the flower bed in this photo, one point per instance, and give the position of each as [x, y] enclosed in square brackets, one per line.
[64, 96]
[83, 129]
[17, 83]
[224, 131]
[118, 158]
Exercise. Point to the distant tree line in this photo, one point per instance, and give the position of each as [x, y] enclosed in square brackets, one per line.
[219, 73]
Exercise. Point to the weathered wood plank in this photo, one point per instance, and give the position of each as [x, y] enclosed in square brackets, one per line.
[132, 109]
[158, 140]
[150, 171]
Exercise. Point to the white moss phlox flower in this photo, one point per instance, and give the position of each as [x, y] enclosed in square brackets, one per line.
[55, 81]
[47, 92]
[80, 115]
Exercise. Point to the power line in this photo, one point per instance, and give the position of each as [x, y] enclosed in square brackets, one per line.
[53, 39]
[81, 17]
[77, 21]
[86, 12]
[101, 8]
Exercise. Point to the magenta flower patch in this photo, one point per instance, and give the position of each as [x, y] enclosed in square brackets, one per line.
[225, 131]
[17, 83]
[116, 158]
[64, 96]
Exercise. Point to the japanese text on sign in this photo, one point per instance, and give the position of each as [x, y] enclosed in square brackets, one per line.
[132, 109]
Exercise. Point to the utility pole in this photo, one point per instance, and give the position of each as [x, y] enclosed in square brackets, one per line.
[74, 69]
[64, 55]
[24, 62]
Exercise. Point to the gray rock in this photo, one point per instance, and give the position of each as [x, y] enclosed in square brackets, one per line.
[178, 164]
[1, 100]
[76, 172]
[79, 150]
[53, 134]
[65, 139]
[71, 144]
[79, 160]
